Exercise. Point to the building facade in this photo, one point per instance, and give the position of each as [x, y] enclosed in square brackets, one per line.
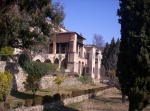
[68, 51]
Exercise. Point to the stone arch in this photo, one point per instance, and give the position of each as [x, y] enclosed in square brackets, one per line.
[47, 61]
[38, 60]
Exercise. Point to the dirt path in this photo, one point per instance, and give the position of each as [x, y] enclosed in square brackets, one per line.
[106, 102]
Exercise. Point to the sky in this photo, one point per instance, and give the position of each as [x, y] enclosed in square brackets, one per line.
[89, 17]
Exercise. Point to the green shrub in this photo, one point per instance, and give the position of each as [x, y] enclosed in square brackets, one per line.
[20, 104]
[7, 50]
[47, 99]
[23, 58]
[34, 67]
[28, 102]
[85, 79]
[38, 100]
[52, 66]
[56, 97]
[7, 105]
[32, 82]
[62, 69]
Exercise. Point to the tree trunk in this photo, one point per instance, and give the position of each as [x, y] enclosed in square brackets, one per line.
[123, 98]
[132, 106]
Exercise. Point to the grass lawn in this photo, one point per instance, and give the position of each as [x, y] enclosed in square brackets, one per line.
[16, 97]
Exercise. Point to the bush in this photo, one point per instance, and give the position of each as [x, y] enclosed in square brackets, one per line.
[47, 99]
[28, 102]
[85, 79]
[34, 67]
[20, 104]
[7, 105]
[38, 100]
[23, 58]
[53, 66]
[7, 50]
[56, 97]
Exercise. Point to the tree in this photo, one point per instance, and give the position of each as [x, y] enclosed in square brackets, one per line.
[133, 67]
[24, 23]
[59, 80]
[32, 83]
[98, 41]
[5, 84]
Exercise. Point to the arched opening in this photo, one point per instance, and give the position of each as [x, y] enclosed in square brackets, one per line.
[83, 70]
[38, 60]
[47, 61]
[64, 63]
[56, 62]
[79, 65]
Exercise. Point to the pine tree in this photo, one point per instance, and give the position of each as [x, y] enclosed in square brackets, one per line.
[134, 58]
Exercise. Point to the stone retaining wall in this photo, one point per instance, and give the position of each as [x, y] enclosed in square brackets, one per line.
[63, 102]
[19, 76]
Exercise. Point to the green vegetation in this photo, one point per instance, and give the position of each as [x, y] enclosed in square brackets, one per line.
[25, 22]
[59, 80]
[85, 79]
[32, 83]
[53, 66]
[23, 58]
[34, 67]
[5, 84]
[134, 58]
[7, 50]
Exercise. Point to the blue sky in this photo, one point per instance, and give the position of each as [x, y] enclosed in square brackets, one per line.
[90, 17]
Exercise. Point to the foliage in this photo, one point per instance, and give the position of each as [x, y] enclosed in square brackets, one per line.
[47, 99]
[110, 55]
[7, 105]
[23, 58]
[56, 97]
[59, 80]
[98, 41]
[24, 23]
[133, 67]
[34, 67]
[28, 102]
[5, 83]
[53, 66]
[32, 83]
[7, 50]
[85, 79]
[38, 100]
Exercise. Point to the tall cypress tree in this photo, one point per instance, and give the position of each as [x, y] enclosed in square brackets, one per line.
[134, 58]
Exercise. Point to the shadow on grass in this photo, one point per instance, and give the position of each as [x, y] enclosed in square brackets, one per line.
[61, 108]
[21, 95]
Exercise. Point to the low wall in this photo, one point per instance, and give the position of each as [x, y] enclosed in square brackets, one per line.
[62, 102]
[47, 82]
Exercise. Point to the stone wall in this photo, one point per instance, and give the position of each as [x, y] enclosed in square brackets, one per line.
[19, 76]
[63, 102]
[47, 82]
